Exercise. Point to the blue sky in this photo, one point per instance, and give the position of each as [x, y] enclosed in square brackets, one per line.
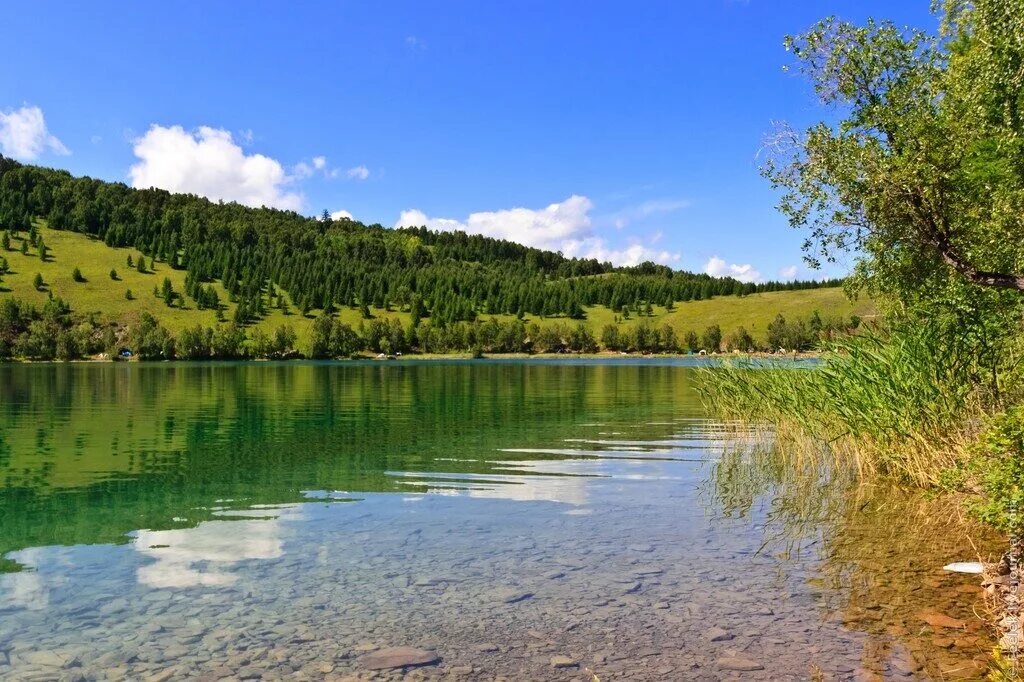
[621, 130]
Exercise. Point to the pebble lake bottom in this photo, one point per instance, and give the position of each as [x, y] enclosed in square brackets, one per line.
[467, 520]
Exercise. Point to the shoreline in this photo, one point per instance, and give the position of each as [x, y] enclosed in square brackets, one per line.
[441, 357]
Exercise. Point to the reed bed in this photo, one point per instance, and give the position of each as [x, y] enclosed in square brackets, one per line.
[906, 405]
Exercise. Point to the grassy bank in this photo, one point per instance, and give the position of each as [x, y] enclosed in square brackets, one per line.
[99, 292]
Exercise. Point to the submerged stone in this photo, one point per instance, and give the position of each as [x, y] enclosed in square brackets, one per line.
[940, 620]
[717, 634]
[739, 663]
[398, 657]
[511, 595]
[563, 662]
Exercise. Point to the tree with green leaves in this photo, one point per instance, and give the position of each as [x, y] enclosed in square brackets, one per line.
[711, 339]
[37, 282]
[77, 275]
[922, 170]
[166, 291]
[690, 341]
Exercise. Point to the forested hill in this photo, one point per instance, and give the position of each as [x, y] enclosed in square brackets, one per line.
[323, 263]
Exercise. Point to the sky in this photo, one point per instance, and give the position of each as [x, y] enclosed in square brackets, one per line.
[618, 130]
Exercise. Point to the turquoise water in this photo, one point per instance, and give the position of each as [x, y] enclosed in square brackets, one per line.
[262, 520]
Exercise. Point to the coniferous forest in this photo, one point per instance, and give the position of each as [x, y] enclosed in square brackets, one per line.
[444, 280]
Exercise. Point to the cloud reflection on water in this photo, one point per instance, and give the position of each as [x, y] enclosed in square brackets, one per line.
[204, 555]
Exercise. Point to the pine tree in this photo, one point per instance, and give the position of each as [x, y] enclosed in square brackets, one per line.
[141, 264]
[167, 292]
[128, 295]
[113, 274]
[77, 275]
[5, 241]
[37, 282]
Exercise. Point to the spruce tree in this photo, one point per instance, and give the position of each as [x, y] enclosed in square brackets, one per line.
[167, 292]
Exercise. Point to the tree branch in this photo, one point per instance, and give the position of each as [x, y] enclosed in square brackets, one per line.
[939, 240]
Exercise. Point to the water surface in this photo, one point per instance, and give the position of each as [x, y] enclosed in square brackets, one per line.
[266, 520]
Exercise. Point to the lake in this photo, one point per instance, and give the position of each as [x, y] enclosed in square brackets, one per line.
[562, 520]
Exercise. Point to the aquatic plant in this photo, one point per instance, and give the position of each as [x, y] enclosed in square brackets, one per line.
[900, 403]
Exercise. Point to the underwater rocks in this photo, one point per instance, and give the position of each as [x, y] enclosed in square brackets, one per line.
[398, 657]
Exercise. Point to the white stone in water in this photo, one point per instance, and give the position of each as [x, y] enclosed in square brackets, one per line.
[964, 567]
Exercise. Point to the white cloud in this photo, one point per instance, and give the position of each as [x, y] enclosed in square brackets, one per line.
[23, 134]
[647, 209]
[565, 226]
[634, 254]
[302, 170]
[209, 162]
[717, 267]
[788, 273]
[339, 214]
[358, 173]
[416, 43]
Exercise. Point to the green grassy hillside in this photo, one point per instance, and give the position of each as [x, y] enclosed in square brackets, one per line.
[99, 293]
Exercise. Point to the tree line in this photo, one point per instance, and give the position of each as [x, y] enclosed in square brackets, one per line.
[53, 332]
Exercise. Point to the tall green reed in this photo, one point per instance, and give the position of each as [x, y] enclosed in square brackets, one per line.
[897, 402]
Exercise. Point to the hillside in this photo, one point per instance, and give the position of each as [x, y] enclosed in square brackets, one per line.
[271, 273]
[100, 294]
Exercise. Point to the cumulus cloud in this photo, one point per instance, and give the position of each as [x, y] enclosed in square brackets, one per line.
[565, 226]
[319, 162]
[341, 213]
[717, 267]
[788, 273]
[208, 162]
[24, 136]
[357, 173]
